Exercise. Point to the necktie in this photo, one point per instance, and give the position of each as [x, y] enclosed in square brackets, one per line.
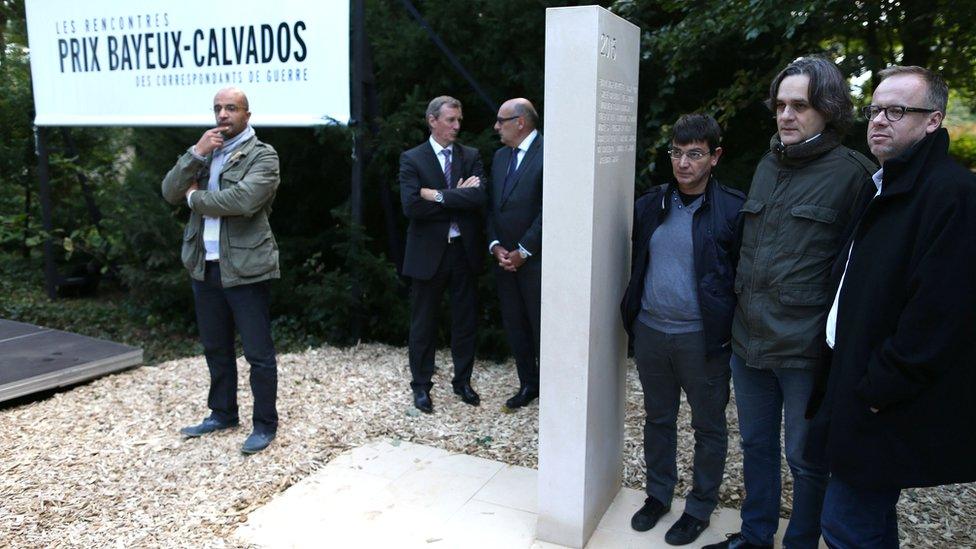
[447, 167]
[454, 230]
[510, 176]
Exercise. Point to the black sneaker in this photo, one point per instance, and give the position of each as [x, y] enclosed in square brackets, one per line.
[647, 516]
[736, 541]
[685, 531]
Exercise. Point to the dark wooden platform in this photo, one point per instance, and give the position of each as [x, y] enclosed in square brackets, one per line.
[34, 359]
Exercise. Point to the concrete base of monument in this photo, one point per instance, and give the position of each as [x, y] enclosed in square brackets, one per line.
[399, 494]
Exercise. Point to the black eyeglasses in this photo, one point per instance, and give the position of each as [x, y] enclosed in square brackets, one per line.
[503, 119]
[893, 113]
[693, 154]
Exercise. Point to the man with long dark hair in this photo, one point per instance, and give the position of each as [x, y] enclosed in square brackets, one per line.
[806, 191]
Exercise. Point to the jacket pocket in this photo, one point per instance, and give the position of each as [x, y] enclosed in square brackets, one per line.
[231, 177]
[253, 254]
[804, 296]
[752, 206]
[189, 253]
[812, 230]
[815, 213]
[794, 328]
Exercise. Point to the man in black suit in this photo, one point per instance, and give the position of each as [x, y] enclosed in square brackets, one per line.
[515, 232]
[442, 196]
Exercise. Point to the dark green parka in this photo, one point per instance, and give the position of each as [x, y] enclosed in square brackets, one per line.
[802, 199]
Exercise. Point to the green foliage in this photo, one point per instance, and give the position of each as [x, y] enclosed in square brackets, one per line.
[16, 138]
[963, 149]
[321, 295]
[340, 282]
[720, 57]
[112, 316]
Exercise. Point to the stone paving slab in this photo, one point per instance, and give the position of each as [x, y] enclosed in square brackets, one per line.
[400, 494]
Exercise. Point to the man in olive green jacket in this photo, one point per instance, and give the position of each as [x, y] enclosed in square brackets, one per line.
[805, 194]
[228, 179]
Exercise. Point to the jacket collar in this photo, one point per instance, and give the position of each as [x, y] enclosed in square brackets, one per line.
[901, 173]
[534, 147]
[799, 154]
[673, 186]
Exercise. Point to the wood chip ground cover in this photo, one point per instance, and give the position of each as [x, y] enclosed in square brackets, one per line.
[104, 465]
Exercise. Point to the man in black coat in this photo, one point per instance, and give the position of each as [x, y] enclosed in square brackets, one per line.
[515, 235]
[900, 406]
[442, 196]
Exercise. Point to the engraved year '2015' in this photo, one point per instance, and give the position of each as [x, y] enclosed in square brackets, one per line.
[608, 46]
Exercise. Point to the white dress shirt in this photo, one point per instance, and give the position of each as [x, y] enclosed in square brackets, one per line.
[211, 225]
[832, 315]
[454, 231]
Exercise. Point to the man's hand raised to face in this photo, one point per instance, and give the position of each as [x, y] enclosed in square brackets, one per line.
[210, 140]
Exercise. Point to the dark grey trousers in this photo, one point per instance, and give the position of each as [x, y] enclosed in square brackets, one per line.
[668, 364]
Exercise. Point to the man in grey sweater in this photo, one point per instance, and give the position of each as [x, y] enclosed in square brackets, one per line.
[678, 311]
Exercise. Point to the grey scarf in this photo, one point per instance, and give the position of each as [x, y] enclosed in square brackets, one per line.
[221, 155]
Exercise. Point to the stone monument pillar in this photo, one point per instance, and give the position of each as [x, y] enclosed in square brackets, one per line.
[588, 199]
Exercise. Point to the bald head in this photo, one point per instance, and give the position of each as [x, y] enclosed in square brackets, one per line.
[516, 120]
[231, 111]
[235, 92]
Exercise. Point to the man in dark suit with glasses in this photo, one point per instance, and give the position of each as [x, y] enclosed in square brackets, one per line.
[515, 235]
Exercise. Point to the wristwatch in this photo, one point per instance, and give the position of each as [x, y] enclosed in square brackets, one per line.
[439, 197]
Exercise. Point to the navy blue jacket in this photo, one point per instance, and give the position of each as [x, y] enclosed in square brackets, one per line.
[715, 238]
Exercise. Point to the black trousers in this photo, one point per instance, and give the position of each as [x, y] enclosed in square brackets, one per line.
[219, 311]
[520, 296]
[453, 272]
[669, 364]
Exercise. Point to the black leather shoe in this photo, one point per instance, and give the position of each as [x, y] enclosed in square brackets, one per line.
[736, 541]
[208, 425]
[421, 399]
[256, 442]
[468, 395]
[647, 516]
[685, 531]
[521, 398]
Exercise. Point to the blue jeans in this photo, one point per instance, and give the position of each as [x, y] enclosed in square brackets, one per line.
[859, 518]
[219, 311]
[764, 399]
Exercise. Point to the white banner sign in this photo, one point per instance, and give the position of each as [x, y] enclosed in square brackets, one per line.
[160, 62]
